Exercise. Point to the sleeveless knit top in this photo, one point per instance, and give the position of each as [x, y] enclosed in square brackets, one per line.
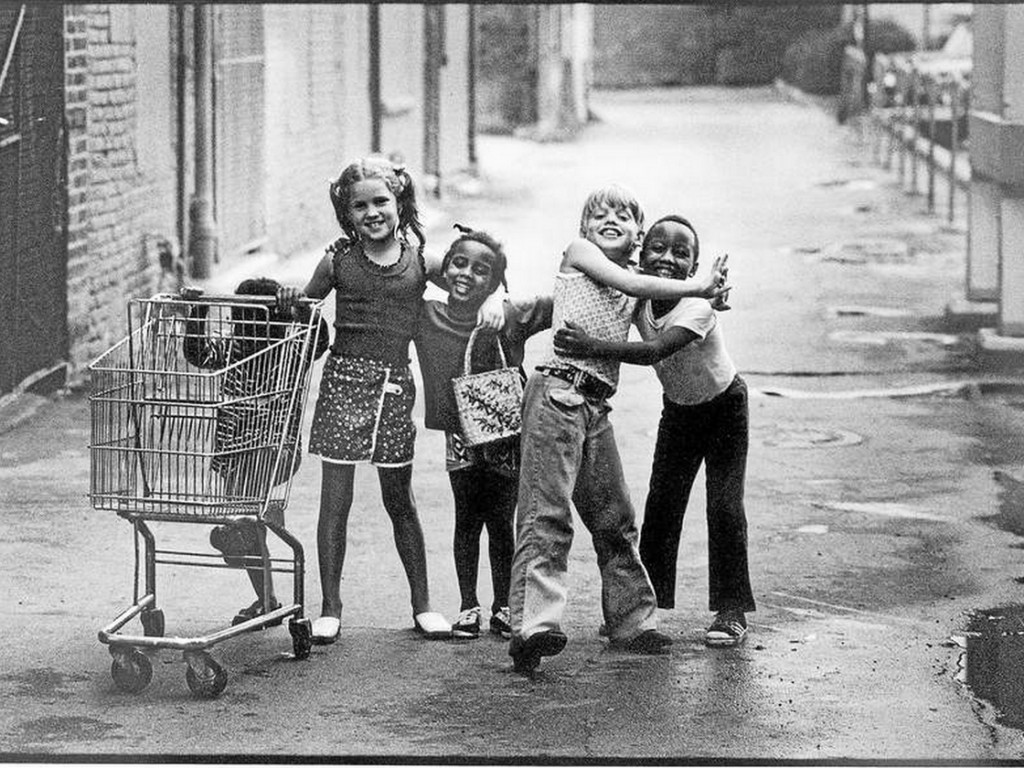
[377, 308]
[601, 311]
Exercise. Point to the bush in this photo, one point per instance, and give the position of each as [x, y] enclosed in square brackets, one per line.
[886, 36]
[756, 62]
[814, 62]
[751, 41]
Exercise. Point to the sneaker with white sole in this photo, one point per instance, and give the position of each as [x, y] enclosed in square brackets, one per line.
[729, 628]
[467, 625]
[501, 622]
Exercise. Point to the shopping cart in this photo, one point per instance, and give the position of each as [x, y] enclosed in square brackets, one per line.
[196, 416]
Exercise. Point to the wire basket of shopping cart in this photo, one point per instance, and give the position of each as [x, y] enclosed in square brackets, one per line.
[196, 418]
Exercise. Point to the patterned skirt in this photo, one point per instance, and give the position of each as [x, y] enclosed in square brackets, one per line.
[364, 413]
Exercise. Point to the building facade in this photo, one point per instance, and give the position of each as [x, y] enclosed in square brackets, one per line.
[995, 264]
[127, 130]
[534, 68]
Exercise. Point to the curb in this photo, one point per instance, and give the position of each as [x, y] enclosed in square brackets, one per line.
[1000, 352]
[967, 389]
[17, 408]
[826, 104]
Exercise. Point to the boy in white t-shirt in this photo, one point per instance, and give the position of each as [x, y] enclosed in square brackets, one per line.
[704, 420]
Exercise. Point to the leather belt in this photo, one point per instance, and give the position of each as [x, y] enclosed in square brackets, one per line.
[587, 384]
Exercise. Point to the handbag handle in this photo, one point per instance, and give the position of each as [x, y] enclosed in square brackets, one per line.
[467, 359]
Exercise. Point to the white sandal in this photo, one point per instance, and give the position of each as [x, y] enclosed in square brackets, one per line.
[326, 630]
[432, 625]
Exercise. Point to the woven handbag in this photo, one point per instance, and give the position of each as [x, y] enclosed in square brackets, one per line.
[489, 403]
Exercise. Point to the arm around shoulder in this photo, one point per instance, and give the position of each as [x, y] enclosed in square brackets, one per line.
[574, 341]
[583, 256]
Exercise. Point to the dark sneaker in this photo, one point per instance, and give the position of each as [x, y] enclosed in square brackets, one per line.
[526, 654]
[501, 622]
[467, 625]
[729, 628]
[255, 611]
[649, 642]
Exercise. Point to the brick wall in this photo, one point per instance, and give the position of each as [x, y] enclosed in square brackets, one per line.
[112, 210]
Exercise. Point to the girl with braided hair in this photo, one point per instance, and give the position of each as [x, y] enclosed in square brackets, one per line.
[378, 271]
[484, 479]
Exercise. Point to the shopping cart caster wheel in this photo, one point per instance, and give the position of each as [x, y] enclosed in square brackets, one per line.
[302, 637]
[205, 677]
[131, 670]
[153, 623]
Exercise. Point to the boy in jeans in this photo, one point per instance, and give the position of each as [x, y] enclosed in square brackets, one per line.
[569, 455]
[705, 420]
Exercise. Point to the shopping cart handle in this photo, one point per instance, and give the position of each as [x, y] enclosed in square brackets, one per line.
[231, 298]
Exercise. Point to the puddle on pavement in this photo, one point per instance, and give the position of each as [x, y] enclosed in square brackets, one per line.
[866, 311]
[816, 529]
[885, 338]
[1011, 503]
[809, 437]
[855, 184]
[876, 251]
[61, 730]
[992, 665]
[42, 682]
[884, 509]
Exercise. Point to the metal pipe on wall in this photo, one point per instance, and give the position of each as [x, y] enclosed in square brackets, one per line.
[202, 241]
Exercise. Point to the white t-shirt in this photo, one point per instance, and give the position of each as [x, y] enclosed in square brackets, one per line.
[702, 369]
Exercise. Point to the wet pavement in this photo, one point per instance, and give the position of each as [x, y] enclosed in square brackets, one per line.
[884, 498]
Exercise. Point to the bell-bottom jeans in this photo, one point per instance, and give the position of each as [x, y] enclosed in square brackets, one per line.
[717, 434]
[569, 457]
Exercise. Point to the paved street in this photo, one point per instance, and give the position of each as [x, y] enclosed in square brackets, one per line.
[882, 500]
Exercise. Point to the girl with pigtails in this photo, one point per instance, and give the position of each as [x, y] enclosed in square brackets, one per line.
[378, 271]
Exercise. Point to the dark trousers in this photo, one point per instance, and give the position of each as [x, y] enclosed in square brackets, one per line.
[483, 497]
[717, 434]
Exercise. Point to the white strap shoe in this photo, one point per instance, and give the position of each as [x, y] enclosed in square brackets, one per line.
[432, 625]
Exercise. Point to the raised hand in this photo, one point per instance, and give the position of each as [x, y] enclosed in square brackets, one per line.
[716, 283]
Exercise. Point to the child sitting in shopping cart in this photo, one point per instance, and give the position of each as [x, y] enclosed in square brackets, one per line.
[244, 449]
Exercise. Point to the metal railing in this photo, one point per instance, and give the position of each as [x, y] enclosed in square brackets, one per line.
[917, 109]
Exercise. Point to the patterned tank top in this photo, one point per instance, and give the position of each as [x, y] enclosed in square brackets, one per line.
[603, 312]
[377, 308]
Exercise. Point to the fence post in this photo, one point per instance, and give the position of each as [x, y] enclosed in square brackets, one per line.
[930, 92]
[891, 119]
[902, 122]
[954, 140]
[878, 107]
[915, 80]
